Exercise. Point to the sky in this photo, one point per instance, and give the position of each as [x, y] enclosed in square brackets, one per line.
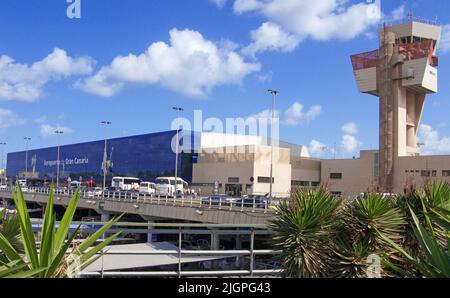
[68, 67]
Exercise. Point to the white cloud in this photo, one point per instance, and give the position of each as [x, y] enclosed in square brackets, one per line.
[219, 3]
[317, 149]
[398, 14]
[292, 21]
[241, 6]
[444, 45]
[266, 114]
[350, 128]
[349, 143]
[270, 37]
[61, 116]
[433, 143]
[25, 83]
[48, 130]
[190, 65]
[312, 113]
[295, 115]
[9, 119]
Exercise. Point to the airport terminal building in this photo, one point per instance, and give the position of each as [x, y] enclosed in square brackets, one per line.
[230, 163]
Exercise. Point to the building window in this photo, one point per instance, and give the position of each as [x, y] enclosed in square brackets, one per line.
[315, 184]
[446, 173]
[434, 173]
[233, 179]
[335, 175]
[426, 173]
[265, 179]
[336, 194]
[299, 183]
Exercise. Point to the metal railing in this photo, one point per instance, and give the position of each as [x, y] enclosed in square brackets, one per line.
[193, 201]
[180, 229]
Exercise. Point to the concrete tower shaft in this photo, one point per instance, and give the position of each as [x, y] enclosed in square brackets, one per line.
[400, 72]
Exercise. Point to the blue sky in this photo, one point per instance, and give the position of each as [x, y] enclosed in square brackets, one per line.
[247, 46]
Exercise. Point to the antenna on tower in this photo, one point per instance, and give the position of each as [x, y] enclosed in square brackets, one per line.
[410, 15]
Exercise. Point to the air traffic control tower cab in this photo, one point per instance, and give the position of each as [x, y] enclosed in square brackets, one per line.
[401, 73]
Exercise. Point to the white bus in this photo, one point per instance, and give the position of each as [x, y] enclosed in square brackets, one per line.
[147, 188]
[125, 183]
[166, 186]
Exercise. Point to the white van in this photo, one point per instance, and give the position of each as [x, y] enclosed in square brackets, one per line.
[22, 182]
[147, 188]
[166, 186]
[125, 183]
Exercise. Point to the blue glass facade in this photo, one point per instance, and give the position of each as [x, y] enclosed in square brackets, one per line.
[144, 156]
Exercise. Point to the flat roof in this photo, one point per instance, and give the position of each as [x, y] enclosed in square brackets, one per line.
[129, 261]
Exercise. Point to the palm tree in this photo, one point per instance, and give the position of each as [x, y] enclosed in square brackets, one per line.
[56, 256]
[435, 195]
[10, 229]
[303, 231]
[358, 237]
[433, 260]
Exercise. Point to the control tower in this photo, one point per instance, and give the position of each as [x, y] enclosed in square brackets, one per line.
[401, 72]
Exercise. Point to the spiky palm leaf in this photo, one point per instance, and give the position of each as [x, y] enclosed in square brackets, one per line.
[350, 259]
[434, 196]
[358, 239]
[366, 217]
[10, 228]
[434, 260]
[303, 231]
[54, 252]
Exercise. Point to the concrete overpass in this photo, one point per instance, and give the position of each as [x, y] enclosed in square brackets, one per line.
[152, 207]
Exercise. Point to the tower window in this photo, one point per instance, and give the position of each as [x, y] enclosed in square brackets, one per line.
[335, 175]
[425, 173]
[265, 179]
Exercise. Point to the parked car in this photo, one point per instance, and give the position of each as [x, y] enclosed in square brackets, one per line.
[258, 201]
[218, 199]
[3, 187]
[94, 192]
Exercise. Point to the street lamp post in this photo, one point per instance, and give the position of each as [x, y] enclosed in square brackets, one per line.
[27, 139]
[274, 93]
[58, 133]
[3, 144]
[105, 157]
[178, 110]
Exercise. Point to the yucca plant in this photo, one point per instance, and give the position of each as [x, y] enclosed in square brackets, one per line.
[363, 219]
[350, 259]
[10, 229]
[303, 230]
[56, 256]
[433, 260]
[434, 196]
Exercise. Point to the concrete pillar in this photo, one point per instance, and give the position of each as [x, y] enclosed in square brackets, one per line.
[150, 235]
[215, 242]
[238, 239]
[105, 217]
